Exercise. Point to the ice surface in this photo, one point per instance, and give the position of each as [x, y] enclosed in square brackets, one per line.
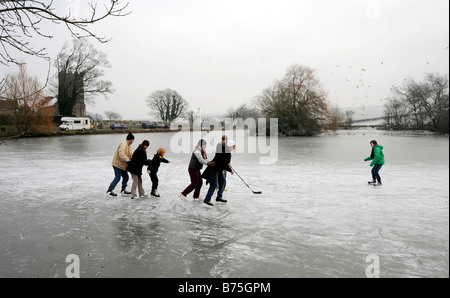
[317, 217]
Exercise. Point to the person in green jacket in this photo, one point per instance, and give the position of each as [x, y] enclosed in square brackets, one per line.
[377, 158]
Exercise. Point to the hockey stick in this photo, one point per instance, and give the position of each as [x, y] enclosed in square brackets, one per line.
[255, 192]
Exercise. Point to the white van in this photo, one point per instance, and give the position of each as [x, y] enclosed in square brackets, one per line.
[71, 123]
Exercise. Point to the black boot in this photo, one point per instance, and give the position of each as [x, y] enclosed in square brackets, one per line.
[111, 193]
[125, 192]
[219, 199]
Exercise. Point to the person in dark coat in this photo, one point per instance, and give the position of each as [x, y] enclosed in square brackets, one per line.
[221, 147]
[138, 160]
[153, 169]
[199, 158]
[214, 175]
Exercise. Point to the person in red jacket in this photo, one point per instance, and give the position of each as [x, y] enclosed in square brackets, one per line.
[199, 158]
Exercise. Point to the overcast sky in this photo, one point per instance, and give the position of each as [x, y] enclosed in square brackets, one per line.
[222, 53]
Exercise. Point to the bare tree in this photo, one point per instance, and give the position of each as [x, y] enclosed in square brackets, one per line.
[28, 107]
[406, 99]
[420, 105]
[167, 104]
[79, 75]
[243, 111]
[396, 114]
[336, 118]
[298, 101]
[21, 21]
[348, 121]
[113, 116]
[192, 116]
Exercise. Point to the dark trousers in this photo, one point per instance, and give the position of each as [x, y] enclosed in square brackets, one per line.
[118, 173]
[219, 180]
[196, 183]
[155, 181]
[376, 173]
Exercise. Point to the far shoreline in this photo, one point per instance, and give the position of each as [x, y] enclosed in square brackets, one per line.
[341, 132]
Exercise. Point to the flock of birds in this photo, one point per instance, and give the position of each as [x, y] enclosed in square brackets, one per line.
[361, 84]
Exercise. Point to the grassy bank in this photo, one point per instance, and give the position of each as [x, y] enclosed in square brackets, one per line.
[56, 132]
[100, 132]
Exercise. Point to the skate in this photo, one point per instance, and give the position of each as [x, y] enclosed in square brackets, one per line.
[124, 192]
[220, 200]
[111, 193]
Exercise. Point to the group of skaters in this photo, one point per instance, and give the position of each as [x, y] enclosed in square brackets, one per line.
[125, 160]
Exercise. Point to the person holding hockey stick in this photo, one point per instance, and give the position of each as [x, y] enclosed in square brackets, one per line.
[214, 175]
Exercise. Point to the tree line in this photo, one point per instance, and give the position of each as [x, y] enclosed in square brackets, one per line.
[419, 105]
[297, 100]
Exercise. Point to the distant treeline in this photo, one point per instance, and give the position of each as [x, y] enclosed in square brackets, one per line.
[419, 105]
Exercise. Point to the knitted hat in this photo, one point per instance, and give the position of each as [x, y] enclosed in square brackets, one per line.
[202, 143]
[130, 136]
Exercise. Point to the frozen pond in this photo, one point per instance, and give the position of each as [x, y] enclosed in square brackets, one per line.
[317, 217]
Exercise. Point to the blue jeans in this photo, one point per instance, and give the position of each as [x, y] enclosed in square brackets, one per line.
[219, 180]
[375, 173]
[118, 173]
